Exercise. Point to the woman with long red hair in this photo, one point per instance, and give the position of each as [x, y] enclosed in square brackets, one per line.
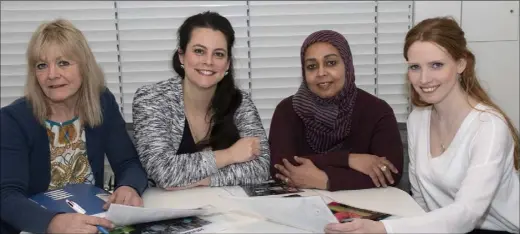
[463, 148]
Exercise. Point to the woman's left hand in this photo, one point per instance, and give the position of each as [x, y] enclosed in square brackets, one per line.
[124, 195]
[356, 226]
[305, 175]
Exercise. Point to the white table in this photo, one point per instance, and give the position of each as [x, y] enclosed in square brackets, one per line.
[228, 218]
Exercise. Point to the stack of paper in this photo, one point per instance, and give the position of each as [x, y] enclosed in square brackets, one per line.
[122, 215]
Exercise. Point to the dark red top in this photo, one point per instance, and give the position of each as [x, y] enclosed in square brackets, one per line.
[374, 131]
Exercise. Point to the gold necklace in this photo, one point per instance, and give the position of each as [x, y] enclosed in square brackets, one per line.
[443, 148]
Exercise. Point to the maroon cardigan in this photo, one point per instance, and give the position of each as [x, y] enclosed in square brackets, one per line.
[374, 131]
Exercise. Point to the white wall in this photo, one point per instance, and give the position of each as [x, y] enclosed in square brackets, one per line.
[492, 33]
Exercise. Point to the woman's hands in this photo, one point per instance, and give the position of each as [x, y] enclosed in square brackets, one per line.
[245, 149]
[124, 195]
[304, 175]
[378, 168]
[77, 223]
[356, 226]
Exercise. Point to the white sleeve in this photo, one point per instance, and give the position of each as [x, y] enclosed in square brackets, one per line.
[488, 151]
[416, 193]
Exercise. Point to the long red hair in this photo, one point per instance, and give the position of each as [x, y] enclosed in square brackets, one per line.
[446, 32]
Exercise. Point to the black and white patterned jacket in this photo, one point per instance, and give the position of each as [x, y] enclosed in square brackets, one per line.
[158, 117]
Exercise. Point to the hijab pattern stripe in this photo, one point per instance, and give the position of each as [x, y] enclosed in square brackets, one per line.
[327, 121]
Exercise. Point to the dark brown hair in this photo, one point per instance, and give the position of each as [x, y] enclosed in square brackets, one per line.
[223, 132]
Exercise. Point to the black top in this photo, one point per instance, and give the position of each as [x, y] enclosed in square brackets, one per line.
[187, 145]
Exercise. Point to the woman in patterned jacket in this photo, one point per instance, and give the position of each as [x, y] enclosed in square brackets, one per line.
[199, 129]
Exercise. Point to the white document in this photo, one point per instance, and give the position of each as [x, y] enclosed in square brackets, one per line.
[306, 213]
[122, 215]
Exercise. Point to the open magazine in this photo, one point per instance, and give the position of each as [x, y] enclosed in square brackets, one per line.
[269, 188]
[345, 213]
[305, 213]
[309, 213]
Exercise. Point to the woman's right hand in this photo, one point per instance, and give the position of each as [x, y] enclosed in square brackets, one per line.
[378, 168]
[245, 149]
[77, 223]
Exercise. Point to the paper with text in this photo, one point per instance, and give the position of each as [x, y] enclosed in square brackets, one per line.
[122, 215]
[306, 213]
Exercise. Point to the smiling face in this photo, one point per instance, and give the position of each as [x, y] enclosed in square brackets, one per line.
[58, 76]
[206, 58]
[433, 72]
[324, 70]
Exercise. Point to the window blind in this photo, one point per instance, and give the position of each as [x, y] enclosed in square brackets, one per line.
[147, 33]
[278, 29]
[375, 31]
[134, 42]
[19, 19]
[394, 19]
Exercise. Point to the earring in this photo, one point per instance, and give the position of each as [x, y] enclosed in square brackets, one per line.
[225, 73]
[182, 65]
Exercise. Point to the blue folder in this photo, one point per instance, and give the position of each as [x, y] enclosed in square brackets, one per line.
[82, 194]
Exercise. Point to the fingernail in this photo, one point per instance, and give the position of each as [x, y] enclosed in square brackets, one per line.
[284, 160]
[391, 181]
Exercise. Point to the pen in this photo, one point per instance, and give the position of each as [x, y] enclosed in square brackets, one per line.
[80, 210]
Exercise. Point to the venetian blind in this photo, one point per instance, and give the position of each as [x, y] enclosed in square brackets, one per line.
[394, 19]
[278, 29]
[375, 31]
[134, 41]
[19, 19]
[147, 33]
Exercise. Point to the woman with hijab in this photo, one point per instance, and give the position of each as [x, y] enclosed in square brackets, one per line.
[332, 135]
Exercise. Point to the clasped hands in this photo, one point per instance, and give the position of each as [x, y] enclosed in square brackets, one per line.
[306, 175]
[303, 175]
[80, 223]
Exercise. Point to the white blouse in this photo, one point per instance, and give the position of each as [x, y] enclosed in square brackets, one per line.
[473, 184]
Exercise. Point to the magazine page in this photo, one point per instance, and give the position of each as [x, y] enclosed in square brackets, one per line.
[306, 213]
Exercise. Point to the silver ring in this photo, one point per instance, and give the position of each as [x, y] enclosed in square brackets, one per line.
[383, 168]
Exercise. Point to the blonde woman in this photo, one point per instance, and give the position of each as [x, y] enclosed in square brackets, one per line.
[59, 134]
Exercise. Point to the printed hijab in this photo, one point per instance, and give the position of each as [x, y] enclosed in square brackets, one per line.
[327, 121]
